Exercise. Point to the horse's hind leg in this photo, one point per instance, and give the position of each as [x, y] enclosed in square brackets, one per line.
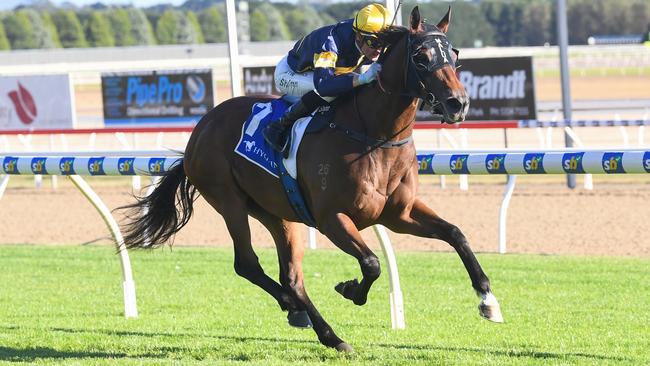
[290, 254]
[232, 206]
[422, 221]
[340, 229]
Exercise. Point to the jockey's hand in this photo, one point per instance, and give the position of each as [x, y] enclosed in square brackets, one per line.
[371, 74]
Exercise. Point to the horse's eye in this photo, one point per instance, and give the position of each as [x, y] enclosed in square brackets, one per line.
[421, 58]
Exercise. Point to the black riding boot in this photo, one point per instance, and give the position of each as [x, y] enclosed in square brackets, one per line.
[278, 133]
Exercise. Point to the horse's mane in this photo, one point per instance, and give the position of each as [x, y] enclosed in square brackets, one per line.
[392, 34]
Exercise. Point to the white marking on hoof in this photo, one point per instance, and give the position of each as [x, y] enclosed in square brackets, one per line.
[344, 347]
[489, 308]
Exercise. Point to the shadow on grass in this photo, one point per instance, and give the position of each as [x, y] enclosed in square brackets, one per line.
[33, 354]
[509, 353]
[124, 333]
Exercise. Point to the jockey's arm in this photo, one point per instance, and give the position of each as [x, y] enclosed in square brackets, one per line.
[328, 84]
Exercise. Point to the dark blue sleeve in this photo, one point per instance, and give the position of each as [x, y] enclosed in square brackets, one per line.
[327, 83]
[330, 85]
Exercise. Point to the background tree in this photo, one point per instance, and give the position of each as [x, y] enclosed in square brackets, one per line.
[278, 30]
[166, 27]
[19, 31]
[539, 24]
[40, 31]
[259, 26]
[213, 25]
[141, 30]
[346, 10]
[121, 26]
[4, 42]
[49, 23]
[304, 19]
[98, 30]
[190, 24]
[177, 27]
[468, 24]
[69, 28]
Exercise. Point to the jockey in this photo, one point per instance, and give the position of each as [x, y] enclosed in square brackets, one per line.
[324, 64]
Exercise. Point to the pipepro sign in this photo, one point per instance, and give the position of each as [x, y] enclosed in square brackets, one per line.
[157, 97]
[36, 102]
[500, 88]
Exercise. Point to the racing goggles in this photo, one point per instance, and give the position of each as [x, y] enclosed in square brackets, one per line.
[372, 41]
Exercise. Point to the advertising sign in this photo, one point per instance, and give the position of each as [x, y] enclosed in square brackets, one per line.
[157, 97]
[500, 88]
[260, 80]
[36, 102]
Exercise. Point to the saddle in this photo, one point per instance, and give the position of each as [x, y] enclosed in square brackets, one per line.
[254, 148]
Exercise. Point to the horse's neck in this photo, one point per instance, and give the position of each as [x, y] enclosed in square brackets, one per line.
[386, 116]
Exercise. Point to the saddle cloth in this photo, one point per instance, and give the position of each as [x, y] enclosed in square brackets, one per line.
[252, 146]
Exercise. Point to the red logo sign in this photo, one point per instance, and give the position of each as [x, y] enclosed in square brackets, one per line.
[24, 104]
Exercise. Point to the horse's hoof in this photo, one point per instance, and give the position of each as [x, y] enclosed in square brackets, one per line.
[344, 347]
[299, 319]
[489, 308]
[347, 288]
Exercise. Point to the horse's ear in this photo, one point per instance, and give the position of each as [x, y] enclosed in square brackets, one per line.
[415, 21]
[443, 25]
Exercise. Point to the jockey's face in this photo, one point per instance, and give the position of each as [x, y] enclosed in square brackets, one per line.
[368, 51]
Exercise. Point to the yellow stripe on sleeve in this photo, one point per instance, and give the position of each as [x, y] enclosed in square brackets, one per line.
[325, 59]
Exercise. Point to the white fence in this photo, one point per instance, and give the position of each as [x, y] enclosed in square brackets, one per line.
[155, 163]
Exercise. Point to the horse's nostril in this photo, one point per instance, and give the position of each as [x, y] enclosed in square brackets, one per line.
[454, 105]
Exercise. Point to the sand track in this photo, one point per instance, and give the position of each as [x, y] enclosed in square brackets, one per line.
[543, 218]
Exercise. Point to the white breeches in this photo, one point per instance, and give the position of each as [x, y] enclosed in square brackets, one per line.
[294, 84]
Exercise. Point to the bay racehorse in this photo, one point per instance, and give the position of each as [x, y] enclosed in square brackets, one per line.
[349, 180]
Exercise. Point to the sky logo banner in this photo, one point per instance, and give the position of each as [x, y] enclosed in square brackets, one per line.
[496, 163]
[38, 165]
[534, 163]
[157, 97]
[156, 166]
[424, 164]
[458, 164]
[125, 166]
[10, 165]
[613, 163]
[66, 166]
[572, 163]
[646, 161]
[96, 166]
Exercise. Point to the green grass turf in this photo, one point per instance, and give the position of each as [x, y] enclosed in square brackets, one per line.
[63, 305]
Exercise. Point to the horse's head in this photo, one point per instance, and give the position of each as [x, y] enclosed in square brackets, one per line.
[429, 64]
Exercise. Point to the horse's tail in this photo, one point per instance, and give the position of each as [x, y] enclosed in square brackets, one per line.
[154, 219]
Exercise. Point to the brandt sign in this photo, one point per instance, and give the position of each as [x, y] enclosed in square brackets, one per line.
[499, 88]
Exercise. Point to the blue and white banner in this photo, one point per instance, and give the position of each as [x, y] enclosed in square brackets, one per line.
[555, 162]
[87, 165]
[445, 163]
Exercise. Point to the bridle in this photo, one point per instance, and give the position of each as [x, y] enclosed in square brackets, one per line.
[414, 86]
[416, 70]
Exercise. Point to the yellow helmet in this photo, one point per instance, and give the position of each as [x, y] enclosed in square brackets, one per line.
[371, 19]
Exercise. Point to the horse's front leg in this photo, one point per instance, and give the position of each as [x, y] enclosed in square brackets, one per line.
[342, 231]
[423, 221]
